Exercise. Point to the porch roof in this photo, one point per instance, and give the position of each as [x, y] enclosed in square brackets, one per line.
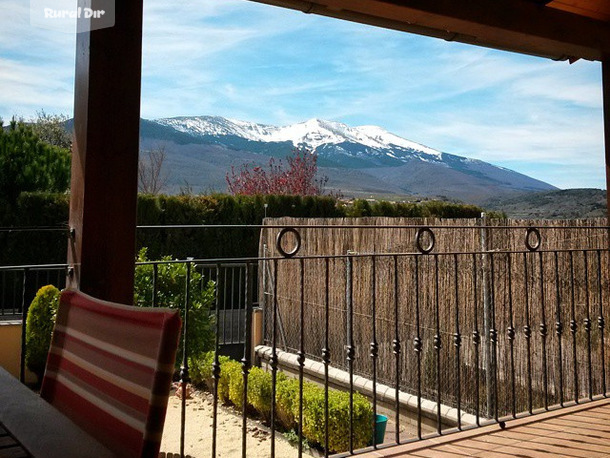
[556, 29]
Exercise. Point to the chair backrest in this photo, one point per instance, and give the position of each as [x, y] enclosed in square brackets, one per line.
[110, 369]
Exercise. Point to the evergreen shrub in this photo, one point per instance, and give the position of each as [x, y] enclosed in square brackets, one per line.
[260, 391]
[287, 394]
[201, 369]
[171, 292]
[230, 375]
[39, 328]
[338, 418]
[47, 209]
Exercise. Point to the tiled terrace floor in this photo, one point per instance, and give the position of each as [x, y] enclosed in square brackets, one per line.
[578, 431]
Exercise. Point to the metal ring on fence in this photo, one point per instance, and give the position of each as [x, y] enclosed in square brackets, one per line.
[278, 242]
[528, 244]
[418, 240]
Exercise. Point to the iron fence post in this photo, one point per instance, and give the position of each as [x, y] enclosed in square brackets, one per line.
[487, 305]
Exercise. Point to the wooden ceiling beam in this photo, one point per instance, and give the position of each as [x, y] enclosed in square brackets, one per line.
[515, 25]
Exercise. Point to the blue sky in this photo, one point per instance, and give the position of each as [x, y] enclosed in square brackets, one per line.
[254, 62]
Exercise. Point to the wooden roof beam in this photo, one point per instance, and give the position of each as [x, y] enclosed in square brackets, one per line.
[513, 25]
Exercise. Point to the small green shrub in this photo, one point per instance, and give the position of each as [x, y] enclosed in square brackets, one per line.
[39, 328]
[287, 394]
[201, 369]
[260, 391]
[229, 370]
[236, 385]
[338, 418]
[170, 285]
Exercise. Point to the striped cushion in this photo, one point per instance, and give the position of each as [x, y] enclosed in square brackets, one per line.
[110, 369]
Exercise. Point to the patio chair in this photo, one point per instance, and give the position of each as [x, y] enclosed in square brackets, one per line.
[110, 368]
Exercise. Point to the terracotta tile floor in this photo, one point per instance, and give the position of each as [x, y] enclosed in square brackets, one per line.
[578, 431]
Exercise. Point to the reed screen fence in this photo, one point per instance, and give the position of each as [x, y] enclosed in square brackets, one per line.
[483, 322]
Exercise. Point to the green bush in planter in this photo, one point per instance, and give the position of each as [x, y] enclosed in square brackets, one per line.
[338, 418]
[231, 390]
[259, 391]
[39, 328]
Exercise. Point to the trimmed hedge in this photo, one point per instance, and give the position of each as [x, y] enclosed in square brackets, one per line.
[285, 398]
[230, 391]
[229, 371]
[44, 209]
[260, 391]
[217, 210]
[40, 247]
[338, 418]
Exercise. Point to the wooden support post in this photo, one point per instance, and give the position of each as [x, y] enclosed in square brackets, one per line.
[257, 332]
[105, 156]
[606, 96]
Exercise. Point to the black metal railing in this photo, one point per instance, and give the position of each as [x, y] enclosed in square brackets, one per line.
[230, 279]
[473, 336]
[450, 331]
[18, 285]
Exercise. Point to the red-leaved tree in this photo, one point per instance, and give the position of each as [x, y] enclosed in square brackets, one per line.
[295, 176]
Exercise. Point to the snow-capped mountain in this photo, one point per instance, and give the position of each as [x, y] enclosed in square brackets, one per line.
[314, 134]
[358, 160]
[311, 134]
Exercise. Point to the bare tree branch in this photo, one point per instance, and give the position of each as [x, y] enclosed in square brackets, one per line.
[152, 175]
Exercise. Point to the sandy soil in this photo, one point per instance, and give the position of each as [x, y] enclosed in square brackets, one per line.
[198, 432]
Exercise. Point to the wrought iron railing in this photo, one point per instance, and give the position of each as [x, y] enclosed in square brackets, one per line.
[18, 285]
[442, 339]
[472, 336]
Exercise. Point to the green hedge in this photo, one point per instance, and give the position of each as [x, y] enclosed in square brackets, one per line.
[42, 209]
[35, 210]
[231, 390]
[217, 210]
[260, 391]
[285, 398]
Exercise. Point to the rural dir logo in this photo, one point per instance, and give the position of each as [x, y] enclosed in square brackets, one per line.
[72, 16]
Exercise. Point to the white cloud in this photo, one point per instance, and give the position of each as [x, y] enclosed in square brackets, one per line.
[561, 88]
[36, 65]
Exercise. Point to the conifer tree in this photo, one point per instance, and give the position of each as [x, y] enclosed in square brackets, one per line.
[29, 164]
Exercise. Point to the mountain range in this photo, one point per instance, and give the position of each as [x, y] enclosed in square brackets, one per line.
[359, 161]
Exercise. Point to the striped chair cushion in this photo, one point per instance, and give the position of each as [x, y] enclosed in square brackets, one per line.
[110, 369]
